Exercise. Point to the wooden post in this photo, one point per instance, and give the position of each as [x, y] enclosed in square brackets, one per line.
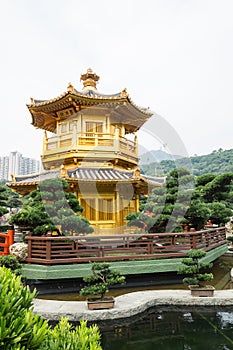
[193, 241]
[48, 249]
[29, 241]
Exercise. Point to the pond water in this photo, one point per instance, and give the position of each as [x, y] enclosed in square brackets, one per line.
[173, 330]
[221, 270]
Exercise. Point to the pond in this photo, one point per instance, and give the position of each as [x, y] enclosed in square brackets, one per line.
[221, 270]
[173, 330]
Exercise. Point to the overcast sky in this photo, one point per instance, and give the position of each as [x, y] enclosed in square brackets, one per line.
[174, 56]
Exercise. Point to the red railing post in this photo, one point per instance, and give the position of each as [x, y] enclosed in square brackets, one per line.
[11, 235]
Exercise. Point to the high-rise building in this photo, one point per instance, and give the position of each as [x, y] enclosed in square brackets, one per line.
[15, 163]
[4, 168]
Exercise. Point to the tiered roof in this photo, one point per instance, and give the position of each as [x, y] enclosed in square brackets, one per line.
[119, 106]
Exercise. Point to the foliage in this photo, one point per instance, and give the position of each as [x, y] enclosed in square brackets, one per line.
[3, 201]
[218, 162]
[21, 329]
[51, 206]
[166, 205]
[193, 267]
[43, 229]
[12, 263]
[101, 279]
[65, 336]
[230, 238]
[185, 201]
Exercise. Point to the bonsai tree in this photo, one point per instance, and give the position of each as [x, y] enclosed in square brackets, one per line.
[101, 278]
[193, 268]
[230, 241]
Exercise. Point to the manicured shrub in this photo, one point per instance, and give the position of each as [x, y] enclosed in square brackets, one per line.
[101, 278]
[193, 267]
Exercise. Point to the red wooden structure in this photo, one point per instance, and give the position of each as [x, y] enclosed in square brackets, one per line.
[78, 249]
[6, 240]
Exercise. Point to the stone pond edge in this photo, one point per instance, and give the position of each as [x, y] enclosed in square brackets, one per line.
[129, 305]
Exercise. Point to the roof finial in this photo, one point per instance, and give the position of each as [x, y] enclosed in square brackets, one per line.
[89, 80]
[70, 88]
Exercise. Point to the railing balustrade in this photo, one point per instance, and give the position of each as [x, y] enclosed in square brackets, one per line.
[88, 139]
[76, 249]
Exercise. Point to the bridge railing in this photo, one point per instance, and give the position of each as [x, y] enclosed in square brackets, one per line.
[77, 249]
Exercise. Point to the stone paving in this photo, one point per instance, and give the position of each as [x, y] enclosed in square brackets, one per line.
[129, 305]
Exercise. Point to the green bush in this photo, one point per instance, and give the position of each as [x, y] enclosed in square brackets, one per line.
[21, 329]
[65, 336]
[12, 263]
[43, 229]
[193, 267]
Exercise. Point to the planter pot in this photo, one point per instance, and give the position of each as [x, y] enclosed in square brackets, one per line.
[98, 304]
[206, 291]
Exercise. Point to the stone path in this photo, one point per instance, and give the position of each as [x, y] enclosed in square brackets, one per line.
[129, 305]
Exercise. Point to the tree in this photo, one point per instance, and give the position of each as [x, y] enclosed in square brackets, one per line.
[166, 205]
[101, 278]
[177, 204]
[52, 206]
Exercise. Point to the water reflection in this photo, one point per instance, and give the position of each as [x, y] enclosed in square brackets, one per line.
[168, 330]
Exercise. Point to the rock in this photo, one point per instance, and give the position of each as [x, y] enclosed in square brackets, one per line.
[19, 250]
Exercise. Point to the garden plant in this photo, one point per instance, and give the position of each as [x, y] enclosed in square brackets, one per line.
[101, 278]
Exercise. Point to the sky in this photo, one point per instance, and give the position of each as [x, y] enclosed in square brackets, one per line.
[174, 56]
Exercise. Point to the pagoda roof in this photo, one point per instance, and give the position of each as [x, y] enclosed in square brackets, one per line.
[86, 174]
[119, 106]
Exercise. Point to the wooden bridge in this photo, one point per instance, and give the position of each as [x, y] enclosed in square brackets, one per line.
[83, 249]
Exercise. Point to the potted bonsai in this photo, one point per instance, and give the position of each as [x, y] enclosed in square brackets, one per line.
[98, 283]
[196, 279]
[230, 241]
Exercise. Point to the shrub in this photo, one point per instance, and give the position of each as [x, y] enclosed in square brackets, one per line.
[21, 329]
[12, 263]
[192, 266]
[101, 279]
[65, 336]
[43, 229]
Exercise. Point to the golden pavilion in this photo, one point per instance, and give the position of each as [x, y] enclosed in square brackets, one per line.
[90, 140]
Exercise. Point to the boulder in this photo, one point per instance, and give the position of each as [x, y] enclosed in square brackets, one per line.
[19, 250]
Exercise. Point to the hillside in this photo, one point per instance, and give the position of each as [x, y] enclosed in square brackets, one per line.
[155, 156]
[217, 162]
